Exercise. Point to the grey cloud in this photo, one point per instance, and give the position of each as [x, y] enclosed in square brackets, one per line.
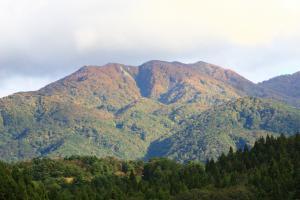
[245, 60]
[51, 39]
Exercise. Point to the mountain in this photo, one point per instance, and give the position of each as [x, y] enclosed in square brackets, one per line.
[234, 124]
[123, 111]
[286, 85]
[181, 83]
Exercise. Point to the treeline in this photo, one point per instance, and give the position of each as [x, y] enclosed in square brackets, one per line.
[269, 170]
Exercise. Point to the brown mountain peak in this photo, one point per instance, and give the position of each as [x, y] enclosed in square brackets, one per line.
[288, 85]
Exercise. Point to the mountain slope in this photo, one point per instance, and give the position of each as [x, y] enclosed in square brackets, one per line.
[118, 110]
[234, 124]
[181, 83]
[101, 111]
[283, 88]
[287, 85]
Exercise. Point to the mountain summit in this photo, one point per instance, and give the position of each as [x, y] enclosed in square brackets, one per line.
[138, 112]
[288, 85]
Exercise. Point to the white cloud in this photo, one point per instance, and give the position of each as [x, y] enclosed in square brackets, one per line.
[42, 38]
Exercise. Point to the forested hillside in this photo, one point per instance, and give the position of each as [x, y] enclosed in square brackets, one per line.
[285, 84]
[136, 112]
[112, 110]
[269, 170]
[232, 124]
[288, 85]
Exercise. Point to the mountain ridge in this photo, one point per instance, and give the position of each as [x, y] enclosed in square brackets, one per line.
[119, 110]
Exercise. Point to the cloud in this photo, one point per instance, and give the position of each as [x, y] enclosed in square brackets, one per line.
[46, 39]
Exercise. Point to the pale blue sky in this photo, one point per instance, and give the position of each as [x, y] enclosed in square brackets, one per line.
[43, 40]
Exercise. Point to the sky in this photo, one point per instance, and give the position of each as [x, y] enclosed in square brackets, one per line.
[44, 40]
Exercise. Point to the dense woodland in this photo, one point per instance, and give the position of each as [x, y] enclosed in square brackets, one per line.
[269, 170]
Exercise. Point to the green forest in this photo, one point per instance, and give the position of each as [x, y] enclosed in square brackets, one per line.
[268, 170]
